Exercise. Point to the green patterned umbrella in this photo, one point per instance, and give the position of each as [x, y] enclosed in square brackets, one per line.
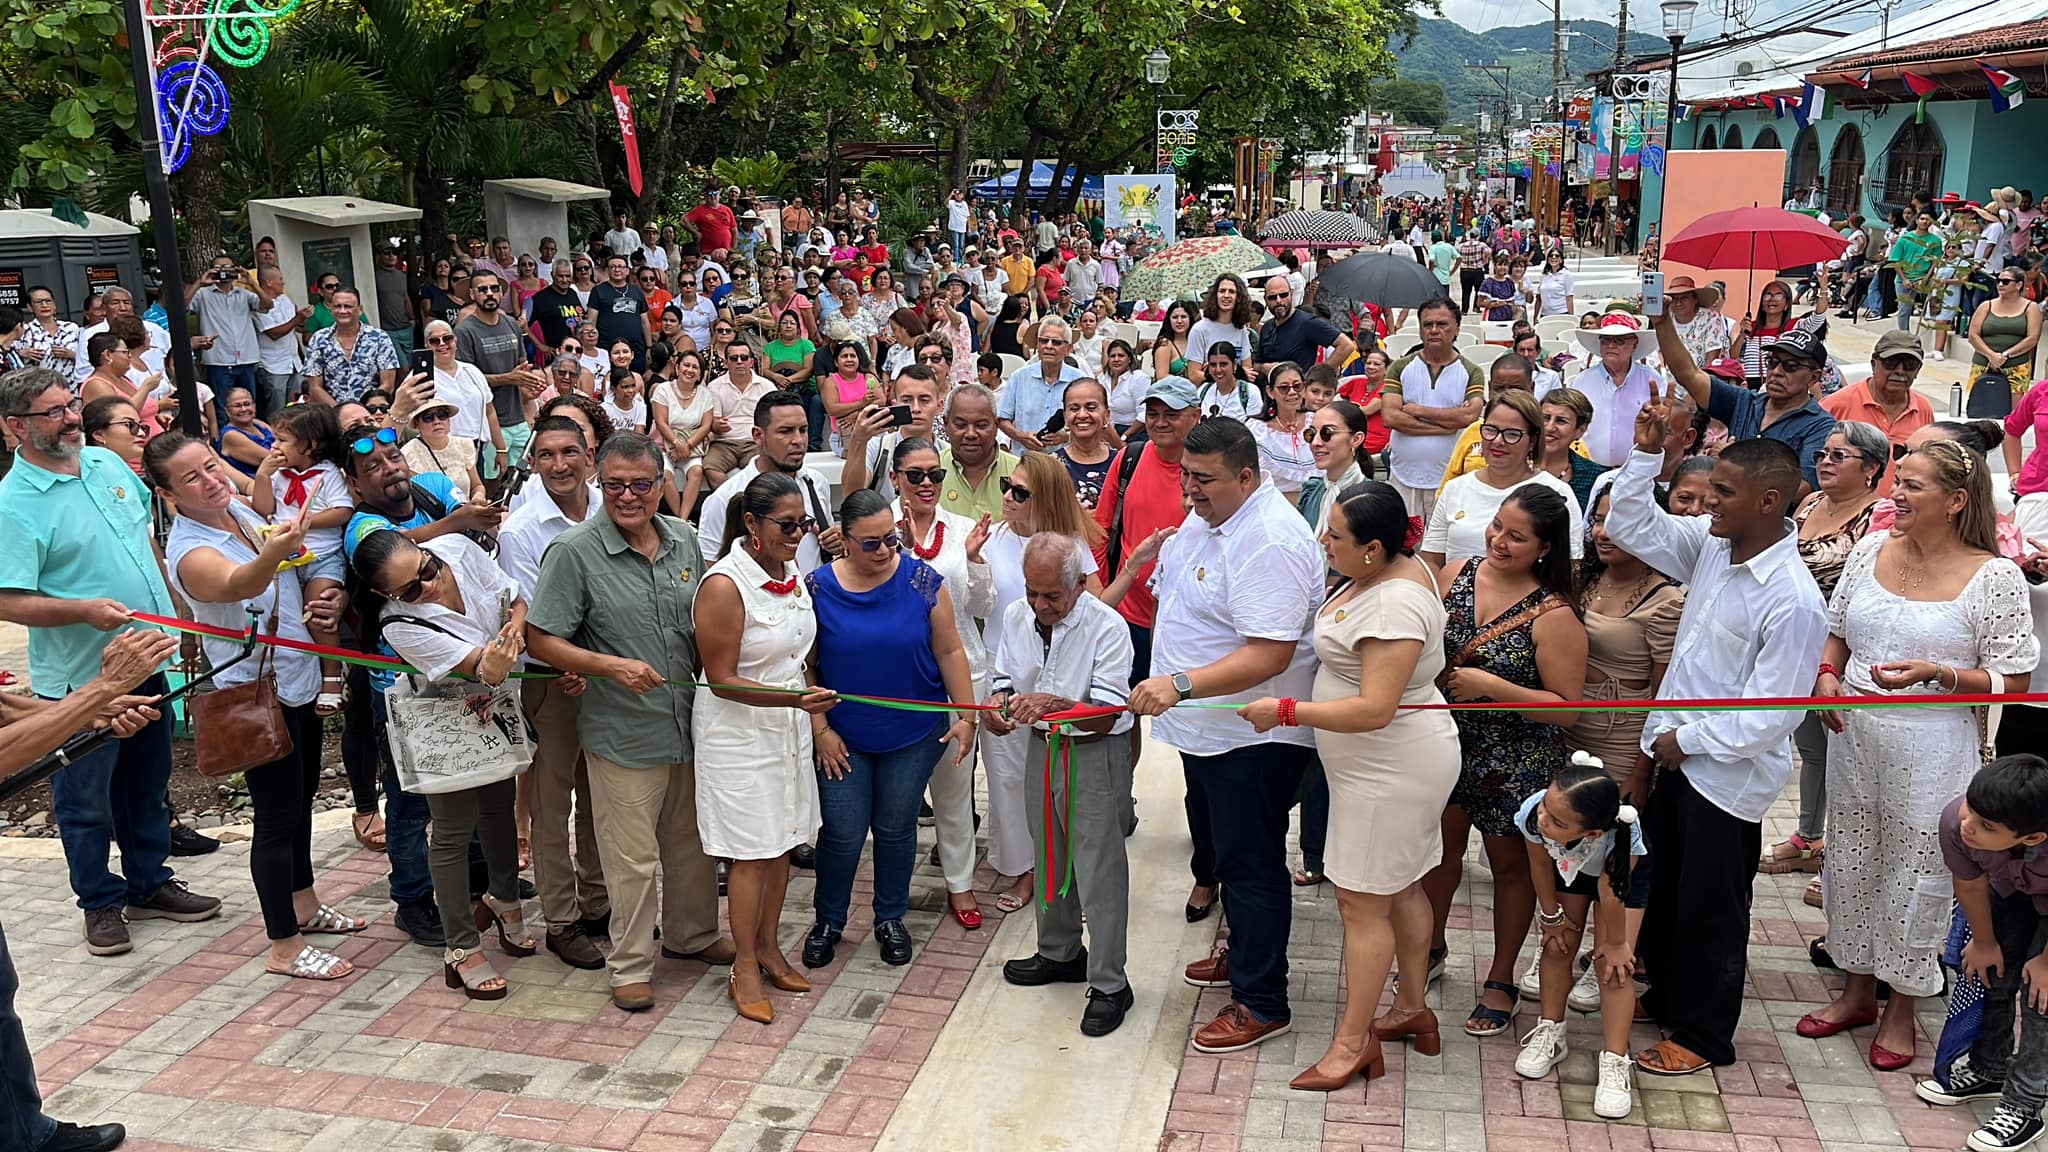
[1189, 267]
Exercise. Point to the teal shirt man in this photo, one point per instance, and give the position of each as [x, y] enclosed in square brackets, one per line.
[83, 537]
[1443, 256]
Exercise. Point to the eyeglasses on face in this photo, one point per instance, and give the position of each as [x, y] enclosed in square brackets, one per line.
[330, 285]
[1326, 433]
[888, 543]
[1504, 435]
[1900, 362]
[1014, 490]
[364, 445]
[569, 349]
[1836, 455]
[430, 569]
[58, 413]
[442, 339]
[924, 475]
[1788, 364]
[793, 528]
[636, 487]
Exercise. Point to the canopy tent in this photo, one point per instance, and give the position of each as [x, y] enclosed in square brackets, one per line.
[1041, 183]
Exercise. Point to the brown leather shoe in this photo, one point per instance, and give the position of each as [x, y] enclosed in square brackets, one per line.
[1212, 971]
[575, 949]
[633, 997]
[720, 952]
[791, 981]
[1235, 1028]
[759, 1011]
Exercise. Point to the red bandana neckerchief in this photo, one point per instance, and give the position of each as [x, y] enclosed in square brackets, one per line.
[295, 491]
[921, 552]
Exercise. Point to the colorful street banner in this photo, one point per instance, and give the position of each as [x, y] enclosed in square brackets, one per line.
[1140, 200]
[1641, 123]
[622, 104]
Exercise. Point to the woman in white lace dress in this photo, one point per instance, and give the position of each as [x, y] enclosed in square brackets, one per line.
[1928, 609]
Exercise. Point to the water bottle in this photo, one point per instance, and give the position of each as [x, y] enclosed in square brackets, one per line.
[1955, 401]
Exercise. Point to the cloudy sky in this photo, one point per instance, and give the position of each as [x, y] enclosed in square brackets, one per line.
[1483, 14]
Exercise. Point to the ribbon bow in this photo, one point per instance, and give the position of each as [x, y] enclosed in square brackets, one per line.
[295, 491]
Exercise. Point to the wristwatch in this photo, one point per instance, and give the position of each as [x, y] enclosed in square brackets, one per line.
[1183, 685]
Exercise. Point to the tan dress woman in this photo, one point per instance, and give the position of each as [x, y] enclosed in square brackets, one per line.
[1628, 642]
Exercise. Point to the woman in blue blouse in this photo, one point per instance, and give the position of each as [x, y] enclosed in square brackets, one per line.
[885, 628]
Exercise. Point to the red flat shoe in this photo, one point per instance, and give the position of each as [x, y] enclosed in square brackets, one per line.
[1814, 1028]
[1885, 1060]
[969, 917]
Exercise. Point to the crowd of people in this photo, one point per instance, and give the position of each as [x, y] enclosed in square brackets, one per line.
[618, 500]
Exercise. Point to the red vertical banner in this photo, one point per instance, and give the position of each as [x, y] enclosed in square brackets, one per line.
[622, 103]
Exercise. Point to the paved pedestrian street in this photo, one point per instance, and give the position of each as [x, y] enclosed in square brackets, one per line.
[192, 1046]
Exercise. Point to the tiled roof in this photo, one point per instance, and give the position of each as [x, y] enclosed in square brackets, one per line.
[2030, 35]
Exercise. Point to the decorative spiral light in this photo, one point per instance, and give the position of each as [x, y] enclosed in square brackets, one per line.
[191, 98]
[187, 36]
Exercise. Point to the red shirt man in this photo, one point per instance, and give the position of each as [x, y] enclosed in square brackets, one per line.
[1152, 501]
[714, 225]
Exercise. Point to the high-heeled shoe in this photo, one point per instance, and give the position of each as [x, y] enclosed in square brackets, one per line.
[492, 911]
[759, 1011]
[472, 978]
[1199, 912]
[1418, 1027]
[787, 981]
[1372, 1063]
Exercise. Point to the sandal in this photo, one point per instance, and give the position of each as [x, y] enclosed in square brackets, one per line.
[1813, 895]
[332, 922]
[369, 828]
[478, 981]
[1306, 878]
[1494, 1021]
[525, 853]
[313, 964]
[328, 703]
[510, 918]
[1669, 1058]
[1794, 854]
[1007, 903]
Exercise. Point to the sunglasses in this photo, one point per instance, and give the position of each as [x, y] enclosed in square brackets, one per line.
[440, 339]
[364, 445]
[2007, 280]
[1836, 455]
[1325, 434]
[430, 569]
[887, 543]
[636, 487]
[375, 410]
[330, 287]
[1788, 364]
[1014, 490]
[1900, 362]
[132, 427]
[924, 475]
[793, 528]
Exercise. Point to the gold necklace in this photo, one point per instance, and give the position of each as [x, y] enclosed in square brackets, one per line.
[1601, 595]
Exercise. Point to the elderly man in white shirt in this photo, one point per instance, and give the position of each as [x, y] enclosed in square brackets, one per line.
[572, 892]
[1617, 383]
[1055, 649]
[1238, 586]
[1753, 626]
[120, 302]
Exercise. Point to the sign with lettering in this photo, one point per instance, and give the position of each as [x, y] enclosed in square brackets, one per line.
[100, 277]
[13, 289]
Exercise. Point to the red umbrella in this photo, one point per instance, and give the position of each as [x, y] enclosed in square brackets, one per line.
[1755, 237]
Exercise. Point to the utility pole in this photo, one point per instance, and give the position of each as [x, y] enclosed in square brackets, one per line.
[1555, 217]
[1613, 243]
[1499, 74]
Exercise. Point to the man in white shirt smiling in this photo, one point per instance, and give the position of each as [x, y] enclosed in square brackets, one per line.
[1054, 649]
[1753, 626]
[1238, 587]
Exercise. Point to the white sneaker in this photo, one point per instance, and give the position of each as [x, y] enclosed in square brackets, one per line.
[1611, 1098]
[1532, 981]
[1542, 1049]
[1585, 995]
[1937, 355]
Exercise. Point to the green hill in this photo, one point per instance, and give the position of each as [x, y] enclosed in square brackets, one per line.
[1441, 49]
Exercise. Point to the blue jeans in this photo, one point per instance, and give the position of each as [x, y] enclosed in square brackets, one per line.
[405, 829]
[820, 421]
[21, 1103]
[116, 795]
[880, 790]
[1246, 793]
[221, 377]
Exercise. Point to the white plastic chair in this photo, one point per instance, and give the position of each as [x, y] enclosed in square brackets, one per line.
[1127, 332]
[1011, 363]
[1147, 329]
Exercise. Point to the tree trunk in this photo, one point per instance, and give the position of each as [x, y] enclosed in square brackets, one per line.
[202, 200]
[657, 154]
[961, 163]
[1021, 198]
[1056, 199]
[433, 205]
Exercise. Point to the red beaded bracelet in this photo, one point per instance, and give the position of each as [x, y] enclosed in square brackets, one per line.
[1827, 669]
[1287, 704]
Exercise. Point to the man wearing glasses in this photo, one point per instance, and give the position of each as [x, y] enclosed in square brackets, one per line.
[1036, 391]
[1887, 398]
[735, 395]
[781, 433]
[227, 312]
[621, 311]
[1291, 334]
[613, 603]
[79, 559]
[497, 346]
[1784, 410]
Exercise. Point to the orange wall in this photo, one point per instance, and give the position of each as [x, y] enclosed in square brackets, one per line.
[1696, 183]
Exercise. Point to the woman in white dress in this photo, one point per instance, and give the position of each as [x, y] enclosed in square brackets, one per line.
[1510, 443]
[952, 545]
[757, 793]
[1929, 609]
[1284, 452]
[684, 420]
[1037, 497]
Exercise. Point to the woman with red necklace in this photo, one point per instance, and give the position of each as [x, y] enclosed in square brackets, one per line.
[757, 795]
[951, 544]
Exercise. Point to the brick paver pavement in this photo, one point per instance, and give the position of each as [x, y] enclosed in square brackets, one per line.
[191, 1045]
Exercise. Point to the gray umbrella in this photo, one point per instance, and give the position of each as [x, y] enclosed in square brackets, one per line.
[1380, 278]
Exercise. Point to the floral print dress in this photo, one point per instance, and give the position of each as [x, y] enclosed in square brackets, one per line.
[1506, 757]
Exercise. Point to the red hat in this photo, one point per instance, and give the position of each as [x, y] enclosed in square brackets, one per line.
[1949, 198]
[1726, 368]
[1972, 205]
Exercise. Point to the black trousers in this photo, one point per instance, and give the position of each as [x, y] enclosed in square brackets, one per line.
[1695, 936]
[281, 851]
[1237, 811]
[1468, 286]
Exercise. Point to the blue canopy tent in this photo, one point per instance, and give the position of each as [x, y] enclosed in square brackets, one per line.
[1005, 186]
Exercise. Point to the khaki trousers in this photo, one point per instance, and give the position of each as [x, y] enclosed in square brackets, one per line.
[570, 889]
[647, 818]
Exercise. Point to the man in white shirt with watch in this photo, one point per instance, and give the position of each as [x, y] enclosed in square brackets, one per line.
[1752, 628]
[1238, 586]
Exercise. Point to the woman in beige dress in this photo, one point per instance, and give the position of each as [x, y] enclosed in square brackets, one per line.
[1631, 622]
[1390, 770]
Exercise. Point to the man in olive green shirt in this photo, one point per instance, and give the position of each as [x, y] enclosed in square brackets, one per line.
[975, 466]
[613, 601]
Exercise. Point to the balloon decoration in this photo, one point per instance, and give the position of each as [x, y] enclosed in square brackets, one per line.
[187, 38]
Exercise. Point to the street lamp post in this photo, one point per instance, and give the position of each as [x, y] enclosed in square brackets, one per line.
[1678, 16]
[1157, 66]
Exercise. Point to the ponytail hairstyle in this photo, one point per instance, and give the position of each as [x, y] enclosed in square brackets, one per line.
[1595, 800]
[758, 499]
